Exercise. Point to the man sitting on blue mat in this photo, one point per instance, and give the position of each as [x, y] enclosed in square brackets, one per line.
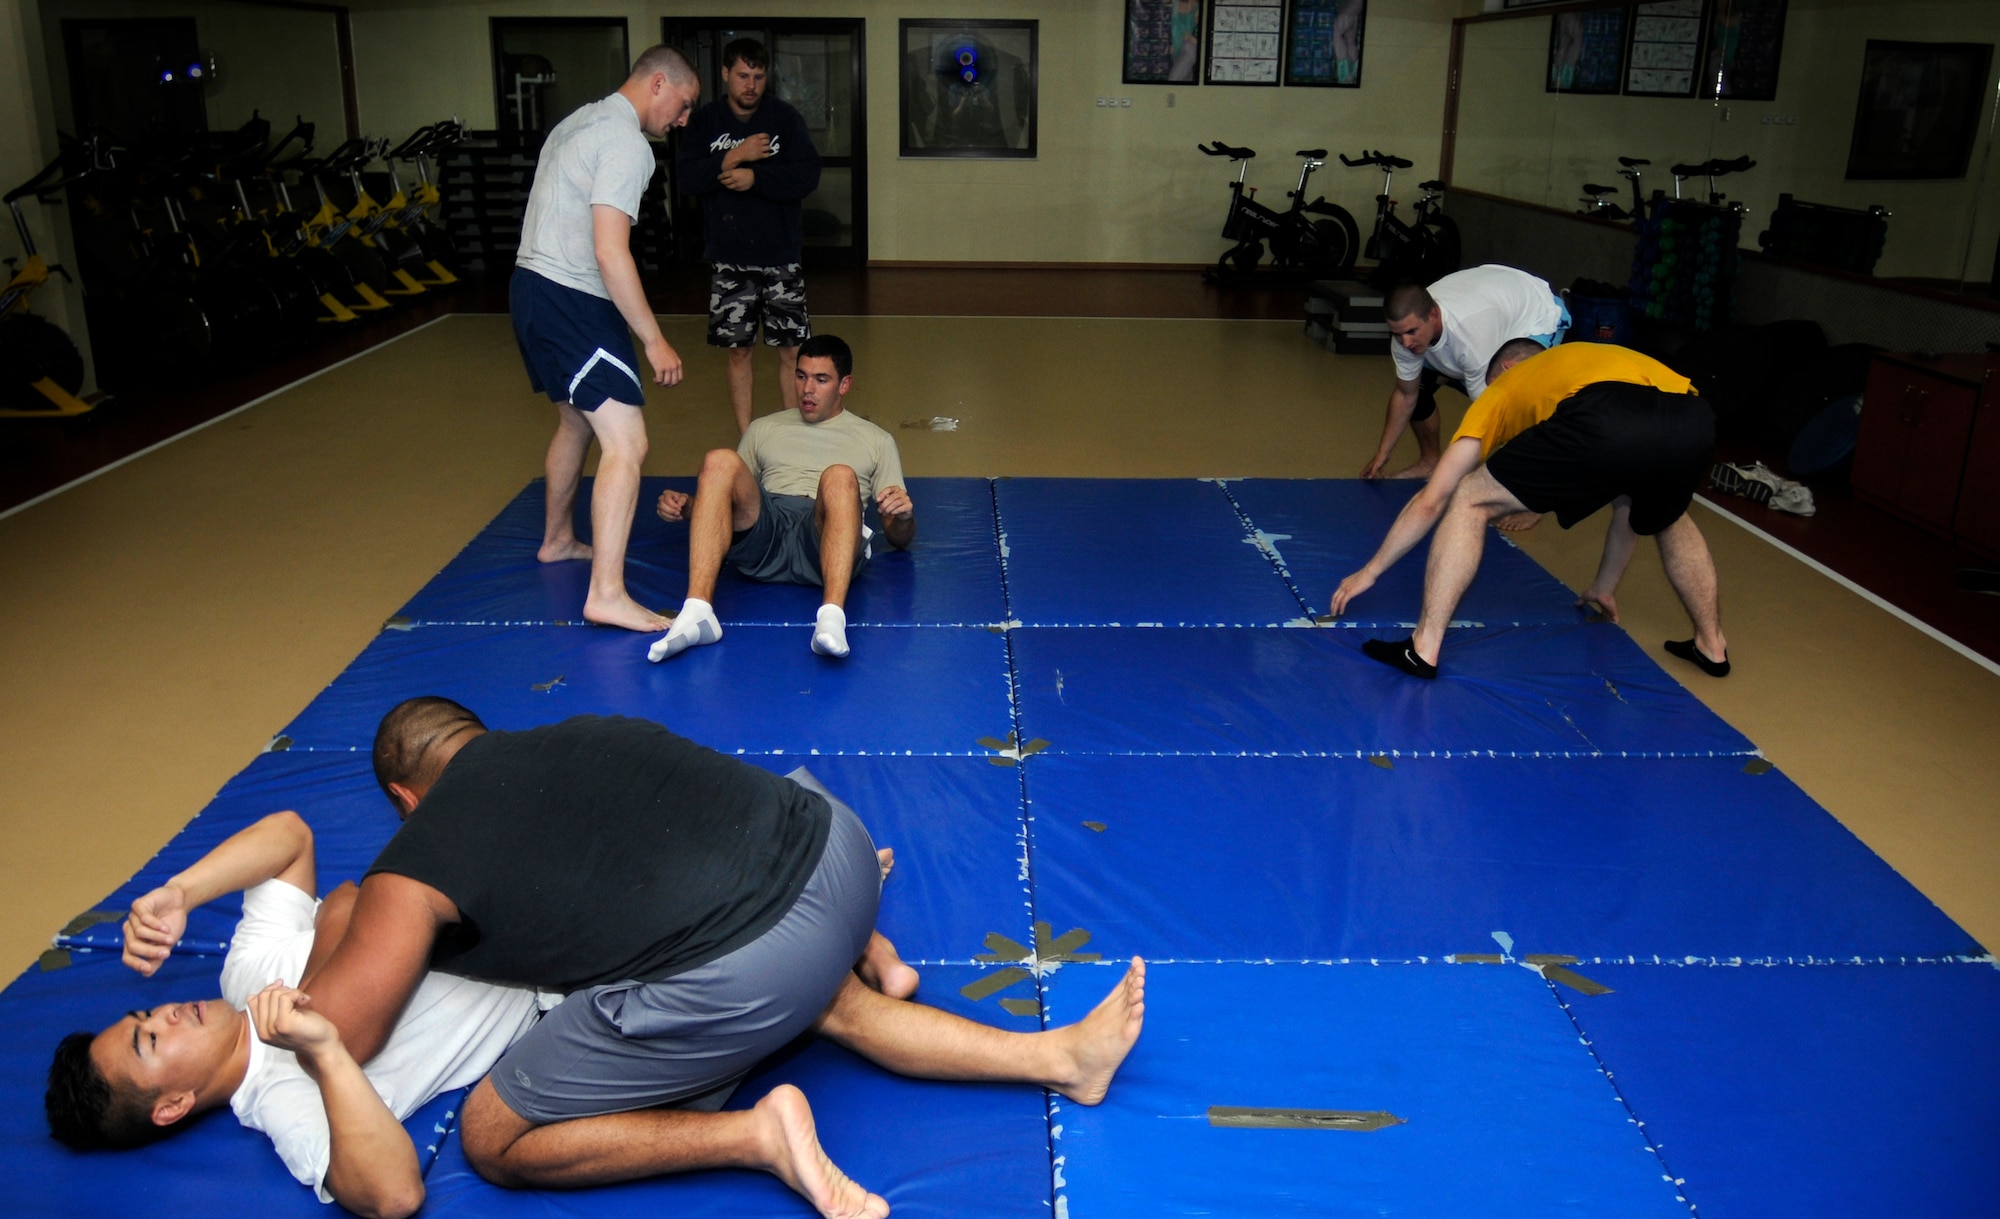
[786, 504]
[1570, 430]
[279, 1065]
[699, 912]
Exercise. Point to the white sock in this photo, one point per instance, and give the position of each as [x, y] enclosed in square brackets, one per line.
[695, 624]
[830, 631]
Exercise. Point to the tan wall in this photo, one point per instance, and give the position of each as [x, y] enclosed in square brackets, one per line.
[1517, 140]
[1108, 185]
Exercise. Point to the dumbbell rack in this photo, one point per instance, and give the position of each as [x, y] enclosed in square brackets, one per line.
[484, 181]
[1685, 263]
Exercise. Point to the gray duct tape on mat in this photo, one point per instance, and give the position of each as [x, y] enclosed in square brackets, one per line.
[1301, 1119]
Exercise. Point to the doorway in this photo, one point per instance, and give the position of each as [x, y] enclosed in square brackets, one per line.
[546, 67]
[817, 68]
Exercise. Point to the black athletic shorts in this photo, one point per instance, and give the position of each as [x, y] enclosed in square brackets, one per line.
[1427, 400]
[1610, 439]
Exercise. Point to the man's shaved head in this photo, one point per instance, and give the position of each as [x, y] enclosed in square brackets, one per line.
[1511, 352]
[1408, 300]
[416, 739]
[663, 58]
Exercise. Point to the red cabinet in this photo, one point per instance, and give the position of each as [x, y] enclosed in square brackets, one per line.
[1929, 448]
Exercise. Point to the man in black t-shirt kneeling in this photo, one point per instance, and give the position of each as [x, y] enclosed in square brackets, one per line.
[699, 913]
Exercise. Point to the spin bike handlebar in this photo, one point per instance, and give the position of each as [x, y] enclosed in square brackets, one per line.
[1714, 168]
[1376, 157]
[1224, 150]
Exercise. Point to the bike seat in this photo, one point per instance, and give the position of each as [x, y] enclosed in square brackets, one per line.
[1629, 162]
[1592, 188]
[1433, 184]
[1720, 167]
[1688, 171]
[1316, 154]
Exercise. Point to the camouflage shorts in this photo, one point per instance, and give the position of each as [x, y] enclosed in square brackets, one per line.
[740, 297]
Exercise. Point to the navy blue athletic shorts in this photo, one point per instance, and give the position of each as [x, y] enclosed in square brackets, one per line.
[576, 346]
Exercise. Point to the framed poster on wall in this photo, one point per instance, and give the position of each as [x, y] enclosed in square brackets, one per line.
[968, 88]
[1666, 42]
[1586, 52]
[1163, 42]
[1323, 42]
[1244, 41]
[1920, 109]
[1740, 58]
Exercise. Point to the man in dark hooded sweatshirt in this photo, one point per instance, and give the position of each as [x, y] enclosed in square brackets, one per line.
[747, 156]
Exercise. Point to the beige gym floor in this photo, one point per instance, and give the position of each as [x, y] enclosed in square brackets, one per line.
[164, 620]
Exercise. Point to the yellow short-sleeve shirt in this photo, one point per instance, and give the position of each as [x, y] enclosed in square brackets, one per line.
[1530, 391]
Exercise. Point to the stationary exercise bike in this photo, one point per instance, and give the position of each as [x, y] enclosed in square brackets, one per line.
[1314, 240]
[41, 369]
[1713, 168]
[1597, 202]
[1424, 251]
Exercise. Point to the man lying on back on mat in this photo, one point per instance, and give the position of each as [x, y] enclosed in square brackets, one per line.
[1573, 428]
[785, 505]
[699, 913]
[279, 1065]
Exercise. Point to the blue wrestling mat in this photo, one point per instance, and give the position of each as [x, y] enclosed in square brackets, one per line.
[1545, 937]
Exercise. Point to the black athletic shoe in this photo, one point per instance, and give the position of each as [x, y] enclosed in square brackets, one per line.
[1685, 649]
[1731, 481]
[1399, 654]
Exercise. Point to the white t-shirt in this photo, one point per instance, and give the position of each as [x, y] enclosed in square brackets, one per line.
[449, 1036]
[596, 155]
[786, 455]
[1482, 307]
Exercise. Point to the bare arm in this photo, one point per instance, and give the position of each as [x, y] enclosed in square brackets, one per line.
[611, 235]
[899, 516]
[1402, 404]
[362, 988]
[280, 846]
[1414, 521]
[372, 1166]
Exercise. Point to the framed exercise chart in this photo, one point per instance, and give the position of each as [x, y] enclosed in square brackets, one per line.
[1163, 42]
[1323, 43]
[1245, 38]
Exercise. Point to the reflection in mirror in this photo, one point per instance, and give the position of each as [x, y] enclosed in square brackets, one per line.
[1781, 82]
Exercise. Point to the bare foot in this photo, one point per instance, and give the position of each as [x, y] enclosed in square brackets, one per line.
[1518, 522]
[1419, 469]
[883, 970]
[561, 552]
[887, 858]
[1099, 1042]
[794, 1156]
[623, 612]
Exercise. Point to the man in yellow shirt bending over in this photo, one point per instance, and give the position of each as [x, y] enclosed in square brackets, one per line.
[1573, 428]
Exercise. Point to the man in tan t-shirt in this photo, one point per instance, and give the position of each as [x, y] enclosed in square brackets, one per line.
[785, 505]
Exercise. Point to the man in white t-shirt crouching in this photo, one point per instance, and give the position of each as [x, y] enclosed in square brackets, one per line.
[263, 1051]
[1447, 334]
[786, 504]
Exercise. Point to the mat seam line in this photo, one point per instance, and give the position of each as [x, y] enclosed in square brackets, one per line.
[1049, 1102]
[1674, 1181]
[1271, 556]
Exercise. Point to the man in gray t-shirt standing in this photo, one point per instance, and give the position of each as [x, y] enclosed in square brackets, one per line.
[576, 303]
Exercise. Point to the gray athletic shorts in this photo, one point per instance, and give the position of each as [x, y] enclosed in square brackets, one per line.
[783, 546]
[687, 1040]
